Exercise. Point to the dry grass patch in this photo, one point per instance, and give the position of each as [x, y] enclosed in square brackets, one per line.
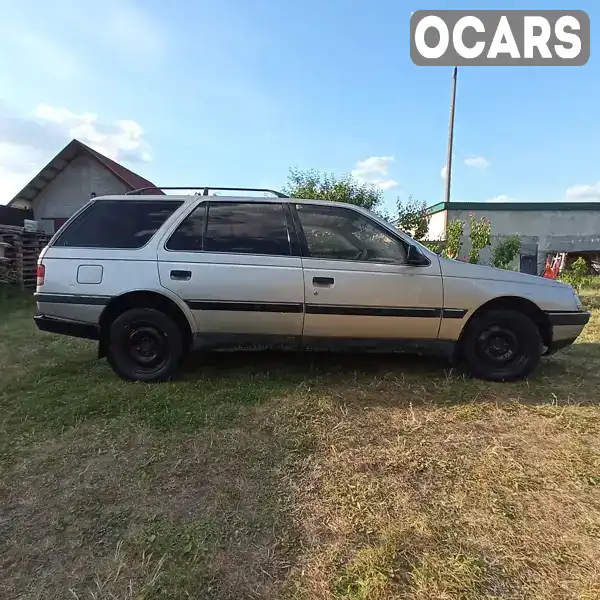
[474, 500]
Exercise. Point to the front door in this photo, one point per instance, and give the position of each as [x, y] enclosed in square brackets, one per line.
[357, 282]
[232, 263]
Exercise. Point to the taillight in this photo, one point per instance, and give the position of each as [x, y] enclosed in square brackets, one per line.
[41, 274]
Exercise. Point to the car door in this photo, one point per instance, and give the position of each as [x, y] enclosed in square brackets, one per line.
[231, 261]
[357, 282]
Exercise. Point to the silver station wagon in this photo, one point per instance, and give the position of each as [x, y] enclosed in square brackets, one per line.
[151, 277]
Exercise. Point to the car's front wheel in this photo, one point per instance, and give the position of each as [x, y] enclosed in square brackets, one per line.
[502, 345]
[145, 344]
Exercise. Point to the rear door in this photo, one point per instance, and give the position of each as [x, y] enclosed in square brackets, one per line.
[232, 261]
[357, 284]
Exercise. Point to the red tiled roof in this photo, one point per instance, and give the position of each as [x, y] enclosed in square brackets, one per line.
[73, 149]
[133, 180]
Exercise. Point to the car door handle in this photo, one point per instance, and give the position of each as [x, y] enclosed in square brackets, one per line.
[323, 281]
[181, 275]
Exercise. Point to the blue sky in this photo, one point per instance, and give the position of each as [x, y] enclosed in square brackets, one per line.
[234, 92]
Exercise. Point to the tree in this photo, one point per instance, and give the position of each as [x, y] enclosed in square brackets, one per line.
[315, 185]
[412, 218]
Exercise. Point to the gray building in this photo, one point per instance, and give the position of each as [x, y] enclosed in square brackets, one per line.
[543, 227]
[76, 174]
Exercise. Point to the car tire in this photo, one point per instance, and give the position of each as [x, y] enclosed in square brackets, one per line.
[145, 344]
[501, 345]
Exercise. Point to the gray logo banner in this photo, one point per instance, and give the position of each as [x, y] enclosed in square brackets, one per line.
[500, 37]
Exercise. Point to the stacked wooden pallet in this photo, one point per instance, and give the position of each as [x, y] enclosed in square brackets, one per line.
[22, 250]
[31, 246]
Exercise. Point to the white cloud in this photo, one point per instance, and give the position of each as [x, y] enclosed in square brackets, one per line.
[584, 192]
[28, 142]
[385, 184]
[479, 162]
[443, 172]
[502, 198]
[374, 170]
[121, 140]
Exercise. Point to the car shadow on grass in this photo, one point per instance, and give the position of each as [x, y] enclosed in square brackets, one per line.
[307, 365]
[214, 389]
[569, 376]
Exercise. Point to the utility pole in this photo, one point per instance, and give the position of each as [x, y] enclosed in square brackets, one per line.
[451, 136]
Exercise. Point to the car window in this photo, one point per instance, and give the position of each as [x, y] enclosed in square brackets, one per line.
[247, 228]
[344, 234]
[117, 224]
[189, 235]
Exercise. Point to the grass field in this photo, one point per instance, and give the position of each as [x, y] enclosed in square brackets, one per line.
[300, 477]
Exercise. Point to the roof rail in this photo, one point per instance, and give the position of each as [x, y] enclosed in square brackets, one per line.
[205, 190]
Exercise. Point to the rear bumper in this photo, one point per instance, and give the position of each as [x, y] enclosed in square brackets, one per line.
[66, 327]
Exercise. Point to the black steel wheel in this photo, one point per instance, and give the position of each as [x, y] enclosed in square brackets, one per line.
[502, 345]
[145, 345]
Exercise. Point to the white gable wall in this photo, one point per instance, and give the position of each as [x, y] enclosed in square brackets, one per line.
[72, 188]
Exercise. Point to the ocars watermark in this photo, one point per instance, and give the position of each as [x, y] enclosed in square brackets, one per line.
[499, 37]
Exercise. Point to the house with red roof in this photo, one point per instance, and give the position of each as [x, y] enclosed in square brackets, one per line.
[76, 174]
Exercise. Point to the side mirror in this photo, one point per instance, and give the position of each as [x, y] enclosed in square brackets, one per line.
[415, 258]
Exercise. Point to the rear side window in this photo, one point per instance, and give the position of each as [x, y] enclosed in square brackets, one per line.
[189, 235]
[247, 228]
[117, 224]
[234, 227]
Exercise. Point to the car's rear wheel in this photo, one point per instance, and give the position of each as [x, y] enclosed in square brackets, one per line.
[144, 344]
[502, 345]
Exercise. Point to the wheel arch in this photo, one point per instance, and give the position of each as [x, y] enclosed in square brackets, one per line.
[523, 305]
[145, 299]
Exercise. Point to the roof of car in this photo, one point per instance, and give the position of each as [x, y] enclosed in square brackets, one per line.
[195, 197]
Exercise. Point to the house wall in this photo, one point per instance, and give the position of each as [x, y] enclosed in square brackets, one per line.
[532, 226]
[437, 226]
[71, 189]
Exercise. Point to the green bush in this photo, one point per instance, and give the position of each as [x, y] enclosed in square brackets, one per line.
[505, 252]
[576, 274]
[454, 232]
[479, 233]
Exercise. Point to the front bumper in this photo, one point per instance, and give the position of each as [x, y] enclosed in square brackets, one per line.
[566, 327]
[66, 327]
[568, 318]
